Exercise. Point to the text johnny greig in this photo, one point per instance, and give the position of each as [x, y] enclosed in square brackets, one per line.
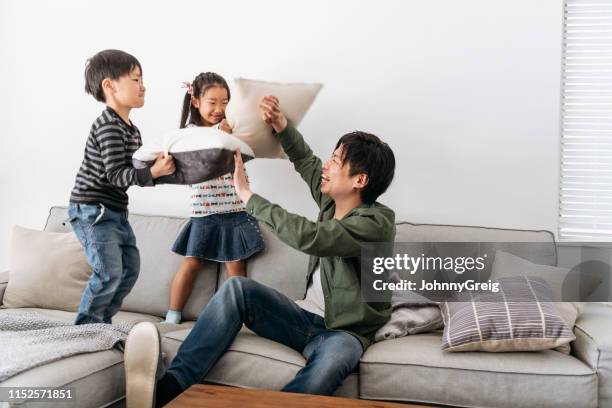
[404, 263]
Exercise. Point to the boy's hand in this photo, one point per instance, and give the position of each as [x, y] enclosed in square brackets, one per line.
[241, 185]
[271, 113]
[224, 126]
[163, 166]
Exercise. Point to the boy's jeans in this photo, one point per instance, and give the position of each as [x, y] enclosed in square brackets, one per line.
[110, 247]
[331, 355]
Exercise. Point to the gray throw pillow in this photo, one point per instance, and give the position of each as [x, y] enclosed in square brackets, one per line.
[509, 265]
[520, 317]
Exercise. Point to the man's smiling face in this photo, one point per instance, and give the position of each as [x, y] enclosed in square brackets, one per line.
[336, 181]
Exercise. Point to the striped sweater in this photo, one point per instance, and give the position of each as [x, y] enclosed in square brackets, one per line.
[106, 171]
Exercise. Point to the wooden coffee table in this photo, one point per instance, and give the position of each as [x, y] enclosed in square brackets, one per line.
[217, 396]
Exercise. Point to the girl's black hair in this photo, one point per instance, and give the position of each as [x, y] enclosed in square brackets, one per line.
[107, 64]
[199, 86]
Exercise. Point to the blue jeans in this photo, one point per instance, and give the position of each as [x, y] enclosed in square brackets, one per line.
[330, 355]
[110, 248]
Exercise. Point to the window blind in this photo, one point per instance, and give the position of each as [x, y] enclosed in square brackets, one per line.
[585, 208]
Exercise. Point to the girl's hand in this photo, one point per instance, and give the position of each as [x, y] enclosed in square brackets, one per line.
[241, 185]
[271, 113]
[224, 126]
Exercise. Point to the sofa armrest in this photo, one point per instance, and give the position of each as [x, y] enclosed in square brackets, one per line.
[593, 345]
[4, 277]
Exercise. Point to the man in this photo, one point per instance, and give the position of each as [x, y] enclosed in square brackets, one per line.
[333, 325]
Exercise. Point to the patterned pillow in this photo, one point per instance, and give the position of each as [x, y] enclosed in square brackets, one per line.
[507, 265]
[520, 317]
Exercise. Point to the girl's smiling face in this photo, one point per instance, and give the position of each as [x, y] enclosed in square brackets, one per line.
[211, 104]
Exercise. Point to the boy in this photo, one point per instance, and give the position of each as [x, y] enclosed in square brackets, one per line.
[98, 202]
[333, 325]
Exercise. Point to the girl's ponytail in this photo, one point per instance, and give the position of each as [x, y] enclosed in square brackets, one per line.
[185, 110]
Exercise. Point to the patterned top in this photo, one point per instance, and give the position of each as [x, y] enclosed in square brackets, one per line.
[216, 196]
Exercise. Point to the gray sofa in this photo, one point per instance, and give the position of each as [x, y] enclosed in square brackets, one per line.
[411, 368]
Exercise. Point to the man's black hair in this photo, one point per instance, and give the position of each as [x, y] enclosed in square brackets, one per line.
[111, 64]
[366, 153]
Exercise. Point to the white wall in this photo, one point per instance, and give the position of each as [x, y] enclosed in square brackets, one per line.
[466, 93]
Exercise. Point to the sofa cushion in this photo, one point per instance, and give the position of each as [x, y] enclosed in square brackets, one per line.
[158, 265]
[413, 368]
[71, 316]
[593, 345]
[122, 316]
[47, 269]
[98, 379]
[255, 362]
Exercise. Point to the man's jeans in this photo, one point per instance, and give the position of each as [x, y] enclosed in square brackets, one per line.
[110, 247]
[331, 355]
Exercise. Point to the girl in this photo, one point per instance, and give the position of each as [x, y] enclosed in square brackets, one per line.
[219, 229]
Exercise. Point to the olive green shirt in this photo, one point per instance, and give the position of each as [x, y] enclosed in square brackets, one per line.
[335, 244]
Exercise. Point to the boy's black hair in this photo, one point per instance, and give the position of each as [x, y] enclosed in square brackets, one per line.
[203, 82]
[366, 153]
[107, 64]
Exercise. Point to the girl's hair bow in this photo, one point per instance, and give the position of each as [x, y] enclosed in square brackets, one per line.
[188, 86]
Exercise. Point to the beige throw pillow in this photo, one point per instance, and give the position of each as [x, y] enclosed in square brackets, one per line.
[244, 117]
[47, 270]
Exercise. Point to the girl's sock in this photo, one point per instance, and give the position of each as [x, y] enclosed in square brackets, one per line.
[173, 316]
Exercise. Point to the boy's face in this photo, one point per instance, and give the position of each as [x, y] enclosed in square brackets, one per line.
[129, 89]
[336, 181]
[212, 104]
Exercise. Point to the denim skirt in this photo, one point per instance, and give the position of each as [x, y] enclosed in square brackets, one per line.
[220, 237]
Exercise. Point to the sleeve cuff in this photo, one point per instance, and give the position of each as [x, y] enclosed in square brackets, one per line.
[288, 138]
[255, 203]
[286, 131]
[144, 177]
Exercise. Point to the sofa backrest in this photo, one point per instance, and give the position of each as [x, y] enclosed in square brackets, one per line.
[278, 266]
[158, 264]
[509, 240]
[284, 269]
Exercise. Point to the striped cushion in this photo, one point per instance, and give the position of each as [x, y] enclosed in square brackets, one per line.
[520, 317]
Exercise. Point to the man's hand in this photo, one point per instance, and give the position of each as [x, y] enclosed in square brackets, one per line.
[271, 113]
[224, 126]
[163, 166]
[241, 185]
